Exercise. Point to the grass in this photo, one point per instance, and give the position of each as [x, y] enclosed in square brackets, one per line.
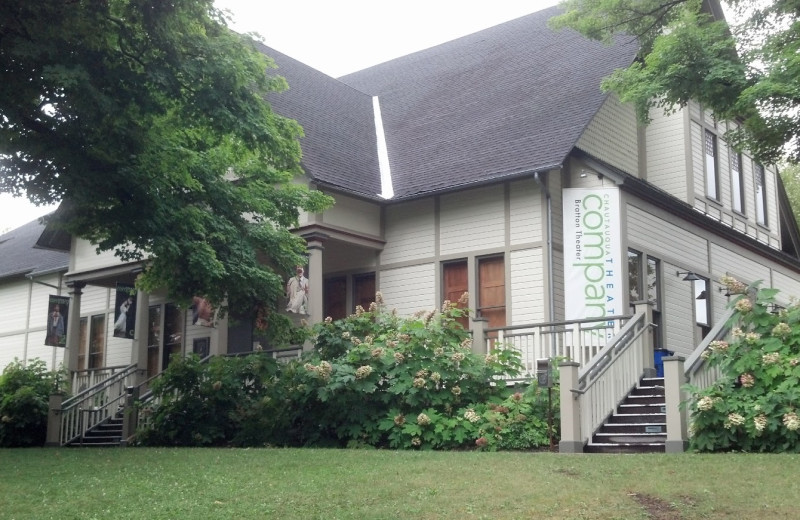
[151, 483]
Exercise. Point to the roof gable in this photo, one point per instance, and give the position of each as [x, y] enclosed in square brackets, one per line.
[20, 256]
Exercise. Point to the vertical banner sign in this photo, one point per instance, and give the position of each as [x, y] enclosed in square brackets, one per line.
[125, 311]
[57, 310]
[593, 269]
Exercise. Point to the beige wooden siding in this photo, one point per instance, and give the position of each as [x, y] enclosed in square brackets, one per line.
[526, 212]
[612, 136]
[409, 232]
[726, 261]
[472, 220]
[666, 153]
[788, 285]
[96, 300]
[14, 305]
[666, 240]
[527, 287]
[678, 312]
[409, 289]
[85, 257]
[354, 215]
[12, 347]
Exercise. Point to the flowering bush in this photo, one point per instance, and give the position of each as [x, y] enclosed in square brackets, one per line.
[373, 379]
[753, 407]
[24, 399]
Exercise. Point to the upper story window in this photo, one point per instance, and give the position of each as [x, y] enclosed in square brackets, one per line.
[737, 182]
[712, 181]
[761, 194]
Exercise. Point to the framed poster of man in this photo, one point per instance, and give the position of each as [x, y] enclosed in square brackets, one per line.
[57, 310]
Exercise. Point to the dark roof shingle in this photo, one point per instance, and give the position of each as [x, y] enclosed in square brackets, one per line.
[19, 256]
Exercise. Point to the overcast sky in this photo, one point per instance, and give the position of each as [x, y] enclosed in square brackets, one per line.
[342, 36]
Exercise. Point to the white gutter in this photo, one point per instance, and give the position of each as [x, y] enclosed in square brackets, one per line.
[387, 191]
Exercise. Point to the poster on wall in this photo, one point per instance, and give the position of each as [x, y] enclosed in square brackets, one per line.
[593, 268]
[202, 312]
[125, 311]
[57, 310]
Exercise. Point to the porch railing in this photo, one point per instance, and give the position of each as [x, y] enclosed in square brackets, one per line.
[87, 378]
[95, 404]
[575, 340]
[698, 373]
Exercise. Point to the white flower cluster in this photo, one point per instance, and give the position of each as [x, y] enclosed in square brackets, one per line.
[704, 404]
[363, 371]
[760, 422]
[791, 421]
[471, 416]
[770, 358]
[734, 420]
[423, 420]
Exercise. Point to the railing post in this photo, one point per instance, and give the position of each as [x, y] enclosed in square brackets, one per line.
[130, 415]
[674, 378]
[479, 336]
[53, 437]
[571, 438]
[648, 352]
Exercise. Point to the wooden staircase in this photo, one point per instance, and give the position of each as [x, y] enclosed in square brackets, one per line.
[107, 434]
[638, 425]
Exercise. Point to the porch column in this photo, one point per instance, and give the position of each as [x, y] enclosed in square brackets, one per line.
[315, 281]
[479, 336]
[677, 431]
[647, 338]
[53, 438]
[571, 438]
[73, 327]
[141, 335]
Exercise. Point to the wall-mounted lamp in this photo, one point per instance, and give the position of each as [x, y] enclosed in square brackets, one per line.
[727, 292]
[690, 276]
[774, 308]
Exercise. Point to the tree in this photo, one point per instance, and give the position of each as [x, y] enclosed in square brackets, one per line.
[149, 120]
[747, 71]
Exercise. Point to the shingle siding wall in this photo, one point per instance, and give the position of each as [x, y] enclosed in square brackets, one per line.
[472, 220]
[528, 302]
[409, 289]
[526, 212]
[612, 136]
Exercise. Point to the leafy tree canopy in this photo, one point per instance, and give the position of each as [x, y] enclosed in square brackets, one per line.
[148, 119]
[747, 71]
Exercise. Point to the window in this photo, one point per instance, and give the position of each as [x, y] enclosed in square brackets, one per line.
[644, 276]
[173, 334]
[82, 342]
[761, 194]
[454, 277]
[702, 306]
[737, 182]
[153, 339]
[492, 290]
[712, 183]
[97, 340]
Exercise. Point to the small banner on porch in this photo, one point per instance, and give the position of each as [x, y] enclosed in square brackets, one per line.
[593, 267]
[125, 311]
[57, 310]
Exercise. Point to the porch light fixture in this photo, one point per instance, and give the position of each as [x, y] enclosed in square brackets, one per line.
[690, 276]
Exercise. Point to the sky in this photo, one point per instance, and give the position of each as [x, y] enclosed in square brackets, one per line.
[341, 36]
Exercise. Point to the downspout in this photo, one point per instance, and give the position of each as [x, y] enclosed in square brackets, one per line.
[551, 284]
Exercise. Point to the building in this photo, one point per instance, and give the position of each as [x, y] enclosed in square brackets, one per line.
[491, 164]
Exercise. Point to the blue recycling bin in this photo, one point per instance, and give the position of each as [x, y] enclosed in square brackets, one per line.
[659, 354]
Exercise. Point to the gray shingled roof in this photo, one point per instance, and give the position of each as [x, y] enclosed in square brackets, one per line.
[19, 256]
[339, 147]
[507, 100]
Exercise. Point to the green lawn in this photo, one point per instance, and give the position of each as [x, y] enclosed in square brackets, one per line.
[152, 483]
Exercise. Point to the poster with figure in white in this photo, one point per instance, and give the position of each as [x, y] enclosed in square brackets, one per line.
[593, 268]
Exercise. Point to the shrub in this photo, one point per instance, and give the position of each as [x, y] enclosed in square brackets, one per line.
[24, 399]
[754, 406]
[374, 379]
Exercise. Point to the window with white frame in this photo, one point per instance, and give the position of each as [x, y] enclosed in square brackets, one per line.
[737, 182]
[712, 181]
[761, 194]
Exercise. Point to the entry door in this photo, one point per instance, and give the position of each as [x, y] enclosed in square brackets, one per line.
[153, 340]
[363, 290]
[173, 333]
[335, 297]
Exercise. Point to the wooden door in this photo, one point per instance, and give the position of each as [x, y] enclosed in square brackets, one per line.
[335, 298]
[363, 290]
[492, 291]
[456, 283]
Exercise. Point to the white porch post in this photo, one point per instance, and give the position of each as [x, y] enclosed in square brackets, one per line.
[648, 352]
[677, 431]
[479, 336]
[315, 278]
[73, 327]
[140, 336]
[571, 438]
